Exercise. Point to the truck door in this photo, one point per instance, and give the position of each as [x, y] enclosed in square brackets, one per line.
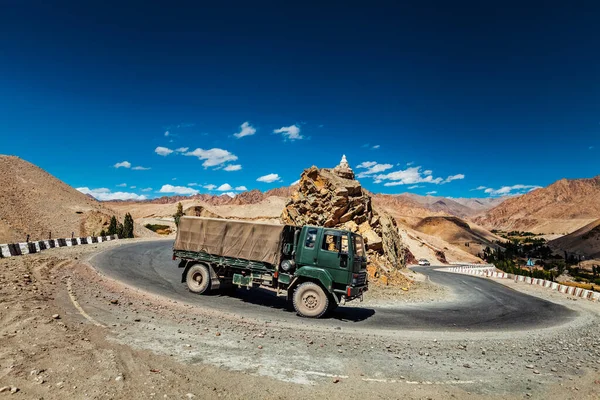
[309, 246]
[333, 254]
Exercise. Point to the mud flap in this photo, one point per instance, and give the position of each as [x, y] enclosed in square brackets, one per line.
[215, 282]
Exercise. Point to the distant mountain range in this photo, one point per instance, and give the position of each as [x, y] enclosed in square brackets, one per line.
[561, 208]
[36, 203]
[250, 197]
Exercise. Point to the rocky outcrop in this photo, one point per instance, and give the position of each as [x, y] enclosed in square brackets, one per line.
[333, 198]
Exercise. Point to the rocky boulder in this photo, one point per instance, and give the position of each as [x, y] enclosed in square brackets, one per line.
[334, 199]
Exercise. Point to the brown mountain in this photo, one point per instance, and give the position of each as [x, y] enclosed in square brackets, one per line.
[461, 207]
[35, 203]
[560, 208]
[583, 242]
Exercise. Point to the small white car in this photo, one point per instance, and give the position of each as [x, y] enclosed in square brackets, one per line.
[424, 262]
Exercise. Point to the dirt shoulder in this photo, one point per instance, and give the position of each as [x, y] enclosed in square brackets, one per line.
[110, 341]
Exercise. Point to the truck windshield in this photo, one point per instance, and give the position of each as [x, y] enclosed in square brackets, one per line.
[359, 246]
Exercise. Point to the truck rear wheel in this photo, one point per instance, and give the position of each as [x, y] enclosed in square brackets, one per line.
[198, 279]
[310, 300]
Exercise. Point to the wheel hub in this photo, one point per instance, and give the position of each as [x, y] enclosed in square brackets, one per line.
[311, 301]
[198, 278]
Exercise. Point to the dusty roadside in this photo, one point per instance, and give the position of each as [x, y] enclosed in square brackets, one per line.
[134, 345]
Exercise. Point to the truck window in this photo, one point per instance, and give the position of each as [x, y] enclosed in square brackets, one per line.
[333, 241]
[359, 245]
[311, 238]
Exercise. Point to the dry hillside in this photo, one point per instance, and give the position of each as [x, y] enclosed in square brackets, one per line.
[562, 207]
[583, 242]
[36, 203]
[457, 232]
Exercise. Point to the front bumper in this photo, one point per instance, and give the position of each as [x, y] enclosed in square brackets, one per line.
[353, 292]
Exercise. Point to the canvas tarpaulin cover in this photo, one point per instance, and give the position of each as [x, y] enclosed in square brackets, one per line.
[228, 238]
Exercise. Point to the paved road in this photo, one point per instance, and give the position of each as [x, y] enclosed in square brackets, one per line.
[481, 304]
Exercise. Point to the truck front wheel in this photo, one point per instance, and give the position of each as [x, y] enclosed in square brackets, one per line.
[198, 279]
[310, 300]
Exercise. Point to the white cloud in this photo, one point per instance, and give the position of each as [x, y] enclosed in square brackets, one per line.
[212, 157]
[372, 168]
[510, 190]
[454, 178]
[291, 132]
[415, 187]
[140, 168]
[163, 151]
[409, 176]
[122, 185]
[183, 190]
[245, 130]
[241, 188]
[270, 178]
[104, 194]
[148, 189]
[123, 164]
[295, 182]
[430, 193]
[167, 133]
[366, 164]
[132, 187]
[408, 164]
[230, 194]
[182, 149]
[192, 184]
[376, 147]
[224, 187]
[230, 168]
[210, 186]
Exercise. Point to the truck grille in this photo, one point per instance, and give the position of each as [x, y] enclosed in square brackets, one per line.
[362, 278]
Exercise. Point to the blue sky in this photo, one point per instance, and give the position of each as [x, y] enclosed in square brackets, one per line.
[442, 97]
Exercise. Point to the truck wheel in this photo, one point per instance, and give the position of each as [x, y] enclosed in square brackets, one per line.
[198, 279]
[310, 300]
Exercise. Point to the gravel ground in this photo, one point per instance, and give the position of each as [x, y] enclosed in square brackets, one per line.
[67, 332]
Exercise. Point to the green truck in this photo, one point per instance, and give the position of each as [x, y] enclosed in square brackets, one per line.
[315, 268]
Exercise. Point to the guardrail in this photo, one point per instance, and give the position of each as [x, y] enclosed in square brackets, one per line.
[492, 272]
[20, 249]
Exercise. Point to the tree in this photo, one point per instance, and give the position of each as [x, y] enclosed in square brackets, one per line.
[128, 226]
[120, 230]
[102, 232]
[112, 227]
[177, 216]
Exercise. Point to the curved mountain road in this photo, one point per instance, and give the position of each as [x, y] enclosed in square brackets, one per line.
[479, 305]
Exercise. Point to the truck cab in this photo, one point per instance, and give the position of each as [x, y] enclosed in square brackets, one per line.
[340, 254]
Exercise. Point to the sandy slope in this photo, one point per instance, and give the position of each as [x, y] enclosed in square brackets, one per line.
[584, 242]
[268, 209]
[36, 203]
[458, 233]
